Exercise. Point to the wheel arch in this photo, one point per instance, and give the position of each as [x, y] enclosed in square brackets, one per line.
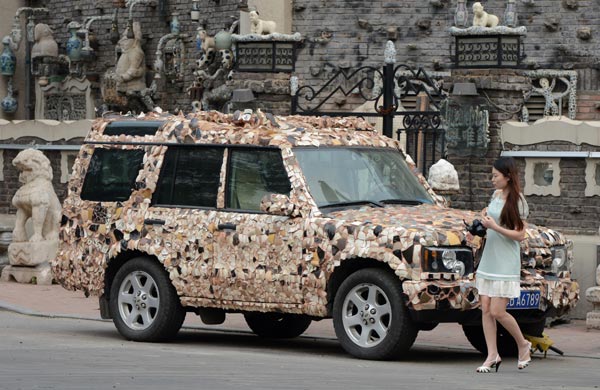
[344, 270]
[115, 263]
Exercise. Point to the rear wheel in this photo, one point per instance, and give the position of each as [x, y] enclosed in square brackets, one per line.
[143, 302]
[277, 325]
[370, 317]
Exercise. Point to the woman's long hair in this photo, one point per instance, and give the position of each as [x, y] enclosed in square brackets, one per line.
[510, 216]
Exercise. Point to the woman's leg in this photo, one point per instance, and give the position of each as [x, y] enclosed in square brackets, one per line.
[489, 328]
[499, 313]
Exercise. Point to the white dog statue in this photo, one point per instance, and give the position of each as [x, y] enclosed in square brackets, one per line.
[259, 26]
[482, 18]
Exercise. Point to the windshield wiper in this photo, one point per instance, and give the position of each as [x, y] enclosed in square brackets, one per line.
[402, 201]
[355, 203]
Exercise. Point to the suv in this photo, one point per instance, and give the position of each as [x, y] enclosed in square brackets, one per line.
[286, 220]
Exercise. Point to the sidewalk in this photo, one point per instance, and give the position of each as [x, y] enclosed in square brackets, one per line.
[54, 301]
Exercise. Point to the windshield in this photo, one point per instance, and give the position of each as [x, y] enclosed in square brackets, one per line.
[374, 176]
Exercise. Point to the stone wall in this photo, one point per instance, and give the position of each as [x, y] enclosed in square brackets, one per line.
[342, 33]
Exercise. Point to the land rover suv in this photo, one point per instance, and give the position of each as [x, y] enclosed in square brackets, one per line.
[286, 220]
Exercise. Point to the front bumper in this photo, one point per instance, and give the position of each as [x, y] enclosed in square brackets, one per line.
[559, 295]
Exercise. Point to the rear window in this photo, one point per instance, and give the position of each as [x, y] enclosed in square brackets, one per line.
[190, 177]
[111, 174]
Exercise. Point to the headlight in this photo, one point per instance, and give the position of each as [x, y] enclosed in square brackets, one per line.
[455, 260]
[559, 259]
[448, 258]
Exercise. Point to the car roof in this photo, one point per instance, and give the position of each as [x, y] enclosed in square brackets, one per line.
[239, 128]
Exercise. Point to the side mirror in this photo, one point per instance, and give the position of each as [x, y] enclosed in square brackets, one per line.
[279, 204]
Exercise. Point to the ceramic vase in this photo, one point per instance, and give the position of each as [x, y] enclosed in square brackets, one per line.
[462, 15]
[8, 61]
[74, 45]
[510, 15]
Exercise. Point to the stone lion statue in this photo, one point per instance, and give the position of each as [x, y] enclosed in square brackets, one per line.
[482, 18]
[36, 198]
[259, 26]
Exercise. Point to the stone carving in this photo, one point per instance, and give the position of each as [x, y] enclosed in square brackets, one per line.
[131, 66]
[593, 295]
[546, 89]
[35, 200]
[44, 45]
[482, 18]
[259, 26]
[443, 177]
[124, 87]
[70, 99]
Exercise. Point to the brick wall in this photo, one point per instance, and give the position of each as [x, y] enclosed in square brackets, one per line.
[588, 106]
[358, 30]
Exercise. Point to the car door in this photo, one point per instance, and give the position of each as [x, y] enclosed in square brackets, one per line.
[257, 255]
[182, 213]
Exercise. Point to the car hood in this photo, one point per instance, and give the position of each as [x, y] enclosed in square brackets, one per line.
[430, 225]
[542, 237]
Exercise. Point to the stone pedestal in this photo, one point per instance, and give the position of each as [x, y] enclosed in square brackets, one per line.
[30, 262]
[592, 294]
[41, 274]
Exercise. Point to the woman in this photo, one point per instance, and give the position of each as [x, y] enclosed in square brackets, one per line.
[498, 274]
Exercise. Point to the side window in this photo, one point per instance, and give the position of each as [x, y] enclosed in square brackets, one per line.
[189, 177]
[111, 174]
[252, 174]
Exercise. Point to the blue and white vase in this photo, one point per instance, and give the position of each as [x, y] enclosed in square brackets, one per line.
[74, 43]
[175, 25]
[8, 60]
[9, 104]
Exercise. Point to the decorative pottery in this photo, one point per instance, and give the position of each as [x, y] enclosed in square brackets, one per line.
[74, 43]
[175, 25]
[9, 104]
[510, 15]
[8, 60]
[462, 15]
[223, 40]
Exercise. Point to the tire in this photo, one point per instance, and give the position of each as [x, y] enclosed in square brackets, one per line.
[277, 325]
[377, 294]
[506, 344]
[144, 283]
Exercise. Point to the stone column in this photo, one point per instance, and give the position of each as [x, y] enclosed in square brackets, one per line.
[592, 294]
[504, 88]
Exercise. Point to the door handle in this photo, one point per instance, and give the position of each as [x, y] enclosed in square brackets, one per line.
[151, 221]
[226, 226]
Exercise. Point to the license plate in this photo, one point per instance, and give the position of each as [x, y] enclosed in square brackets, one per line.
[527, 300]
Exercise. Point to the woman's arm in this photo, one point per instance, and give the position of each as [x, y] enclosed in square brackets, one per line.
[517, 235]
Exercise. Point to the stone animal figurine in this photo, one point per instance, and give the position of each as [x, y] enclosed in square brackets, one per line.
[36, 199]
[482, 18]
[259, 26]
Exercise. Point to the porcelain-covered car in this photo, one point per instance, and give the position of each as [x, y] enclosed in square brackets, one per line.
[286, 220]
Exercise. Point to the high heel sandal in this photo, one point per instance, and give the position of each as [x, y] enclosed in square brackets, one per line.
[521, 364]
[495, 364]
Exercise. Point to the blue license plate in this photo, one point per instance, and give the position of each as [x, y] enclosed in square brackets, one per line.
[527, 300]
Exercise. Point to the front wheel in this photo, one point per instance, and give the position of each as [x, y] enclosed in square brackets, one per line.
[505, 342]
[277, 325]
[143, 302]
[370, 317]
